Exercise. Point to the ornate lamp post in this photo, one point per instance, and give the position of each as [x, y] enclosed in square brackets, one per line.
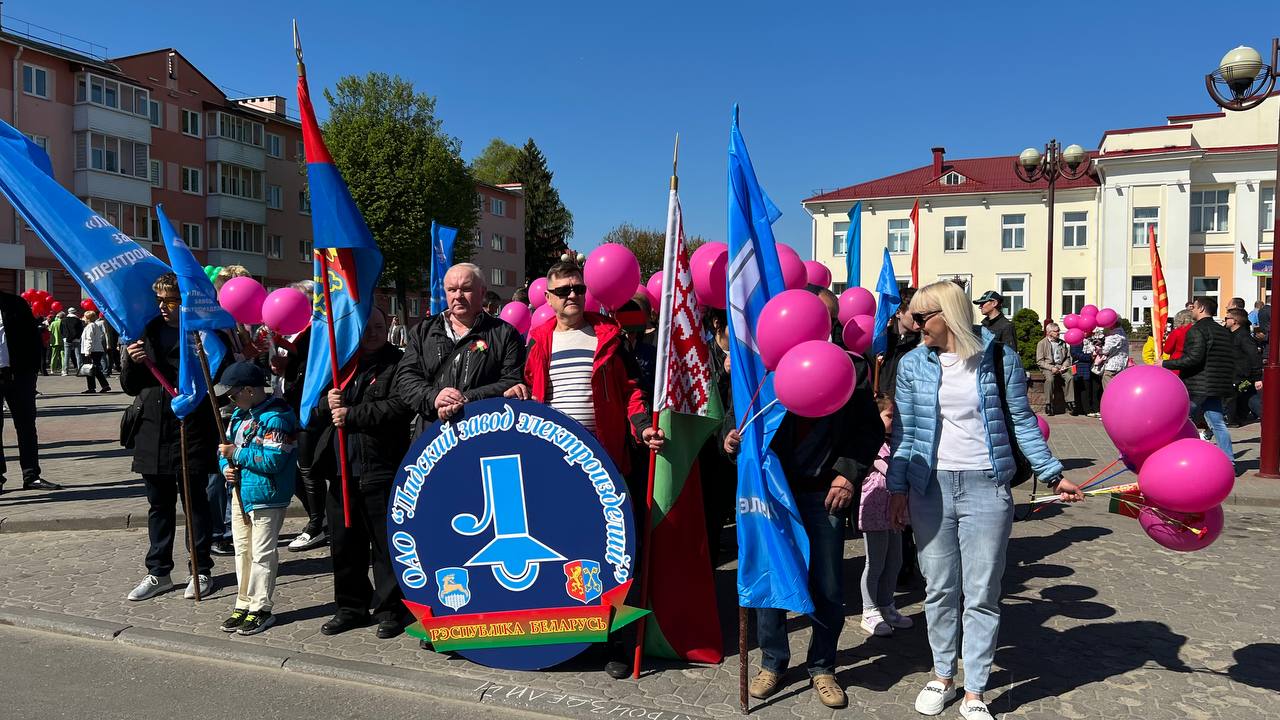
[1242, 82]
[1071, 163]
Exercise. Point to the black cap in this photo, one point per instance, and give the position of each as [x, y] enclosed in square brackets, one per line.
[989, 295]
[242, 374]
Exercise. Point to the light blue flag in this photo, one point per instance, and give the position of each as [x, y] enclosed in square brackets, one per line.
[200, 313]
[853, 247]
[773, 549]
[113, 269]
[887, 286]
[442, 238]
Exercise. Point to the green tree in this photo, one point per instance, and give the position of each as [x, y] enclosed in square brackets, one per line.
[548, 224]
[1028, 331]
[496, 163]
[647, 244]
[402, 169]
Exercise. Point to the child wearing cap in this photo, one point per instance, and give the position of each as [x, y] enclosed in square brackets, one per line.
[258, 459]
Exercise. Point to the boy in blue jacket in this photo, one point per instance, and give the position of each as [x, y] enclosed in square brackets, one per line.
[259, 460]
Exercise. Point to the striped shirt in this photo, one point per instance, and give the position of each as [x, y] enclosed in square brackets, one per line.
[572, 355]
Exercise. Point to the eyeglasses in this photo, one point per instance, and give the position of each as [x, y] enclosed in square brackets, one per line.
[565, 291]
[166, 302]
[922, 318]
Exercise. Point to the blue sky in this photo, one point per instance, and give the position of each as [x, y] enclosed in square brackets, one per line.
[831, 93]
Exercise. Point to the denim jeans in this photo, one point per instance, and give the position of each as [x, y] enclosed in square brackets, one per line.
[962, 524]
[71, 356]
[826, 586]
[1213, 416]
[219, 509]
[880, 574]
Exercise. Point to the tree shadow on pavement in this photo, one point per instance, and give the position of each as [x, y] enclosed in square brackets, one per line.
[122, 489]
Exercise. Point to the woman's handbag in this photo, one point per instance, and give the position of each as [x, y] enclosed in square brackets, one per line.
[86, 369]
[131, 423]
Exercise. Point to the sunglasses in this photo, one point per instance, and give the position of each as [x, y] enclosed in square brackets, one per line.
[922, 318]
[166, 302]
[565, 291]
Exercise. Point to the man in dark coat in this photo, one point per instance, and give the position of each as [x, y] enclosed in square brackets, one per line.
[1248, 365]
[157, 453]
[994, 320]
[377, 421]
[1207, 368]
[20, 350]
[72, 327]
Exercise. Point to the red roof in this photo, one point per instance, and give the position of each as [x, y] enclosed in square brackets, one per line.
[991, 174]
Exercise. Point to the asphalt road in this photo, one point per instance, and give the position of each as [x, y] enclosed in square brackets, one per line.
[55, 677]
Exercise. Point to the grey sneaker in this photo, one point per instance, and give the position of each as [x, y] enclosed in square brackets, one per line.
[150, 587]
[206, 587]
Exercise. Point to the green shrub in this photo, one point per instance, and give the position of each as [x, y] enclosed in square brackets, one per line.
[1028, 331]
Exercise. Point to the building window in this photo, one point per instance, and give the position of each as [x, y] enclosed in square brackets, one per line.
[1205, 287]
[900, 236]
[304, 251]
[477, 239]
[42, 142]
[157, 178]
[952, 178]
[415, 307]
[1072, 295]
[132, 220]
[35, 81]
[1145, 219]
[191, 182]
[1013, 288]
[1140, 299]
[155, 111]
[304, 202]
[190, 123]
[953, 234]
[275, 247]
[38, 280]
[236, 128]
[240, 236]
[497, 243]
[111, 154]
[1075, 229]
[274, 197]
[1209, 210]
[839, 233]
[495, 276]
[964, 280]
[191, 235]
[1268, 213]
[498, 206]
[274, 145]
[228, 179]
[299, 150]
[1013, 232]
[113, 94]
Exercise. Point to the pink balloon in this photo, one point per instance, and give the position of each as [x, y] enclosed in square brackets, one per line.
[817, 274]
[518, 316]
[1143, 408]
[542, 315]
[814, 379]
[1135, 461]
[709, 266]
[1187, 475]
[243, 298]
[538, 293]
[1044, 426]
[794, 275]
[790, 318]
[1178, 535]
[1089, 311]
[1106, 318]
[1070, 320]
[286, 311]
[1087, 323]
[856, 301]
[610, 272]
[653, 299]
[1074, 336]
[858, 334]
[591, 304]
[654, 286]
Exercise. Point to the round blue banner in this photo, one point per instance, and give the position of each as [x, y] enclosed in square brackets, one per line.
[511, 535]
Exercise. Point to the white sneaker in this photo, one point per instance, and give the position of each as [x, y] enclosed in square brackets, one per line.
[206, 587]
[306, 541]
[934, 697]
[896, 619]
[975, 710]
[150, 587]
[874, 624]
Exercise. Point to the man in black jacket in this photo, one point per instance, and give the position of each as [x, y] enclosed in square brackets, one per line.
[461, 354]
[1207, 368]
[903, 337]
[994, 320]
[376, 419]
[1248, 365]
[72, 327]
[20, 349]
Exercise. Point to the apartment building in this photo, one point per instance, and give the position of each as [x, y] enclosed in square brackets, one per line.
[498, 237]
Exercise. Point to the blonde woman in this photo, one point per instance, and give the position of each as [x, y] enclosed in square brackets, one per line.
[949, 477]
[93, 348]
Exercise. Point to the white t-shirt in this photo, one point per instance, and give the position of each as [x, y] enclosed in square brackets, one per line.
[962, 438]
[572, 354]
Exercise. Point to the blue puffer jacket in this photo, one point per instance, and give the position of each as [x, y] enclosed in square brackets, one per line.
[916, 418]
[267, 456]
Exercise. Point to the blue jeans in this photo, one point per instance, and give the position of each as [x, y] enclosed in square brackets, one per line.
[826, 586]
[219, 509]
[962, 524]
[1213, 417]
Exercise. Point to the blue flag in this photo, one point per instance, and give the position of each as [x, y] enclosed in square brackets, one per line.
[773, 549]
[853, 247]
[887, 286]
[200, 313]
[442, 237]
[354, 262]
[113, 269]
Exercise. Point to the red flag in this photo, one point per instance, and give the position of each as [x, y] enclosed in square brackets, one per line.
[915, 244]
[1160, 293]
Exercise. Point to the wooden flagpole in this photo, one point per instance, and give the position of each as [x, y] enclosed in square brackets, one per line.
[744, 700]
[186, 509]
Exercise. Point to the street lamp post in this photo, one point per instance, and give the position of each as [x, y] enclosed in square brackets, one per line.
[1242, 82]
[1031, 166]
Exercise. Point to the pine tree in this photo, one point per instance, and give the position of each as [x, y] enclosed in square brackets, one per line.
[548, 224]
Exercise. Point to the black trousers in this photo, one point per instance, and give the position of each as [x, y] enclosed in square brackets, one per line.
[162, 498]
[18, 392]
[351, 549]
[96, 359]
[310, 488]
[1088, 392]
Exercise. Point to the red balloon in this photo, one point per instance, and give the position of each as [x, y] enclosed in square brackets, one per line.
[39, 308]
[55, 306]
[28, 295]
[88, 304]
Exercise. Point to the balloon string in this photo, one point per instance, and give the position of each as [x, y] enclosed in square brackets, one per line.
[753, 417]
[1087, 483]
[1117, 473]
[764, 378]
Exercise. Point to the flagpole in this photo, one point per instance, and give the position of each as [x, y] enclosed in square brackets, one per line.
[213, 403]
[743, 698]
[186, 509]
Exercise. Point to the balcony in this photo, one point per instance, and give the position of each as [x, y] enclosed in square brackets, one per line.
[13, 256]
[87, 116]
[254, 263]
[218, 149]
[112, 186]
[231, 206]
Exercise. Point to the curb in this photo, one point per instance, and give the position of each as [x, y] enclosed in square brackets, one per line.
[127, 521]
[542, 701]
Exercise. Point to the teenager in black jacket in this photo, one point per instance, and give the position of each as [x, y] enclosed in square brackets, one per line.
[1207, 368]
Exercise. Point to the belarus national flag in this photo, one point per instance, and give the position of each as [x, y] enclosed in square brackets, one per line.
[354, 261]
